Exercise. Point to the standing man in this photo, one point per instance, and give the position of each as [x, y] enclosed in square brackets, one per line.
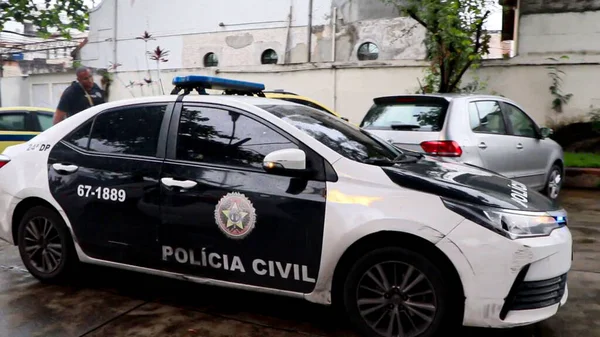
[80, 95]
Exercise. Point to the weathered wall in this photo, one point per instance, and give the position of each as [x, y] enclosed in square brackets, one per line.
[560, 33]
[172, 22]
[41, 90]
[246, 32]
[13, 91]
[350, 88]
[558, 6]
[358, 10]
[398, 39]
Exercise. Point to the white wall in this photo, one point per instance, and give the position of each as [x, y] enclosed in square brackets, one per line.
[560, 33]
[43, 90]
[350, 88]
[170, 22]
[11, 89]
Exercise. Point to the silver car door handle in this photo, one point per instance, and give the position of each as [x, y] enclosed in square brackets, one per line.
[178, 183]
[519, 146]
[65, 168]
[482, 145]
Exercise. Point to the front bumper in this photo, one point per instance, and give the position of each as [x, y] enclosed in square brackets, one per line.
[509, 283]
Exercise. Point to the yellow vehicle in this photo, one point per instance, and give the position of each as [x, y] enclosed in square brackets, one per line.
[20, 124]
[292, 97]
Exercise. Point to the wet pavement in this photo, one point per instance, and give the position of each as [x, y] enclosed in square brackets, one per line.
[108, 302]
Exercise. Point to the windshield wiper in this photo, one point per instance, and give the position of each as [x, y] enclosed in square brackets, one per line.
[401, 158]
[414, 153]
[379, 161]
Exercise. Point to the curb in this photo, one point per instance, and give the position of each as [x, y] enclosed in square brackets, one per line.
[588, 178]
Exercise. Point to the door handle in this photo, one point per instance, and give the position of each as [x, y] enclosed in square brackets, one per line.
[178, 183]
[65, 168]
[519, 146]
[482, 145]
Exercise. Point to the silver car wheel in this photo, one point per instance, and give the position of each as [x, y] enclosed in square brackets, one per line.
[43, 245]
[396, 299]
[554, 184]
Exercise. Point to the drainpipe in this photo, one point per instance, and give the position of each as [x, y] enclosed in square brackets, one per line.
[516, 28]
[115, 26]
[309, 38]
[333, 32]
[287, 34]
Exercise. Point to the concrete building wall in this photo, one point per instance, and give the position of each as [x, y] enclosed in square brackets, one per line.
[350, 88]
[560, 33]
[40, 90]
[12, 91]
[558, 6]
[359, 10]
[240, 37]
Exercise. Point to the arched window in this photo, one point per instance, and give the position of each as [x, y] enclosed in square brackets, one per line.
[368, 51]
[211, 60]
[269, 56]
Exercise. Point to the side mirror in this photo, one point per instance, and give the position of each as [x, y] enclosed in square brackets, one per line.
[546, 132]
[286, 162]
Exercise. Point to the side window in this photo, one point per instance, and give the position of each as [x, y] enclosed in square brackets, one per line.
[45, 121]
[13, 122]
[81, 136]
[225, 137]
[521, 124]
[474, 117]
[133, 130]
[489, 117]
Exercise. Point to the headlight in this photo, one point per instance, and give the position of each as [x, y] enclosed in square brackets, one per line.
[509, 223]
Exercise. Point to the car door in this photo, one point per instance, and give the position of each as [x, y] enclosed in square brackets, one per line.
[532, 157]
[224, 217]
[105, 176]
[491, 136]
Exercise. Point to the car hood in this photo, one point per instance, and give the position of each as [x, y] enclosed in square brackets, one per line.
[466, 183]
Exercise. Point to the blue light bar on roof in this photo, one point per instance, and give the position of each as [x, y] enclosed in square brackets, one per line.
[217, 83]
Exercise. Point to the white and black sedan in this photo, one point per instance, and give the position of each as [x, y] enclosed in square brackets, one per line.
[266, 195]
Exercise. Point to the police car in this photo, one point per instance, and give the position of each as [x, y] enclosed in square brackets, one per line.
[271, 196]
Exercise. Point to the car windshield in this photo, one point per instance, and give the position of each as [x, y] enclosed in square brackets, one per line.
[344, 138]
[406, 114]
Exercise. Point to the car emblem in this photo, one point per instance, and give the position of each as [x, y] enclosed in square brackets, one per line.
[235, 215]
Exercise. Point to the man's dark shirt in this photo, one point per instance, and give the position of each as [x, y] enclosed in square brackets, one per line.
[74, 100]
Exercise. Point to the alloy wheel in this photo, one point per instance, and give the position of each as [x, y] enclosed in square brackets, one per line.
[396, 299]
[554, 183]
[43, 246]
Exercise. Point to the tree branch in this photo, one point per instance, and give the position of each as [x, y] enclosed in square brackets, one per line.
[475, 52]
[411, 12]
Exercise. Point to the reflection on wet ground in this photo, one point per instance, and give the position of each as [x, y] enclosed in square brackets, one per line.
[110, 302]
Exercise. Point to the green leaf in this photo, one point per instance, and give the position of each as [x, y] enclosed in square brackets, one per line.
[450, 39]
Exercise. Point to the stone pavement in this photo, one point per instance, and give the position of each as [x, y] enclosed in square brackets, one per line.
[117, 303]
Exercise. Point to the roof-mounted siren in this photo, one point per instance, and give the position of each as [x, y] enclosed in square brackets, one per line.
[229, 86]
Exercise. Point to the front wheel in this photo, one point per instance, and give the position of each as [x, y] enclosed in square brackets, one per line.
[45, 245]
[396, 292]
[554, 183]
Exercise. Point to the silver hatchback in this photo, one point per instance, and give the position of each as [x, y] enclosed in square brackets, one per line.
[486, 131]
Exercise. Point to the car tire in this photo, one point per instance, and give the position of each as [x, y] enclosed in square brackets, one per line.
[361, 287]
[45, 246]
[554, 182]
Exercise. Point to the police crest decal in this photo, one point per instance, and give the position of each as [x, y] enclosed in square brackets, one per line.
[235, 215]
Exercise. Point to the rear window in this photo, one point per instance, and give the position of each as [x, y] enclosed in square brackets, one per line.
[406, 115]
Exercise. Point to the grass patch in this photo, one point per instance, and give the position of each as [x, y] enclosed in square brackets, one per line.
[584, 160]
